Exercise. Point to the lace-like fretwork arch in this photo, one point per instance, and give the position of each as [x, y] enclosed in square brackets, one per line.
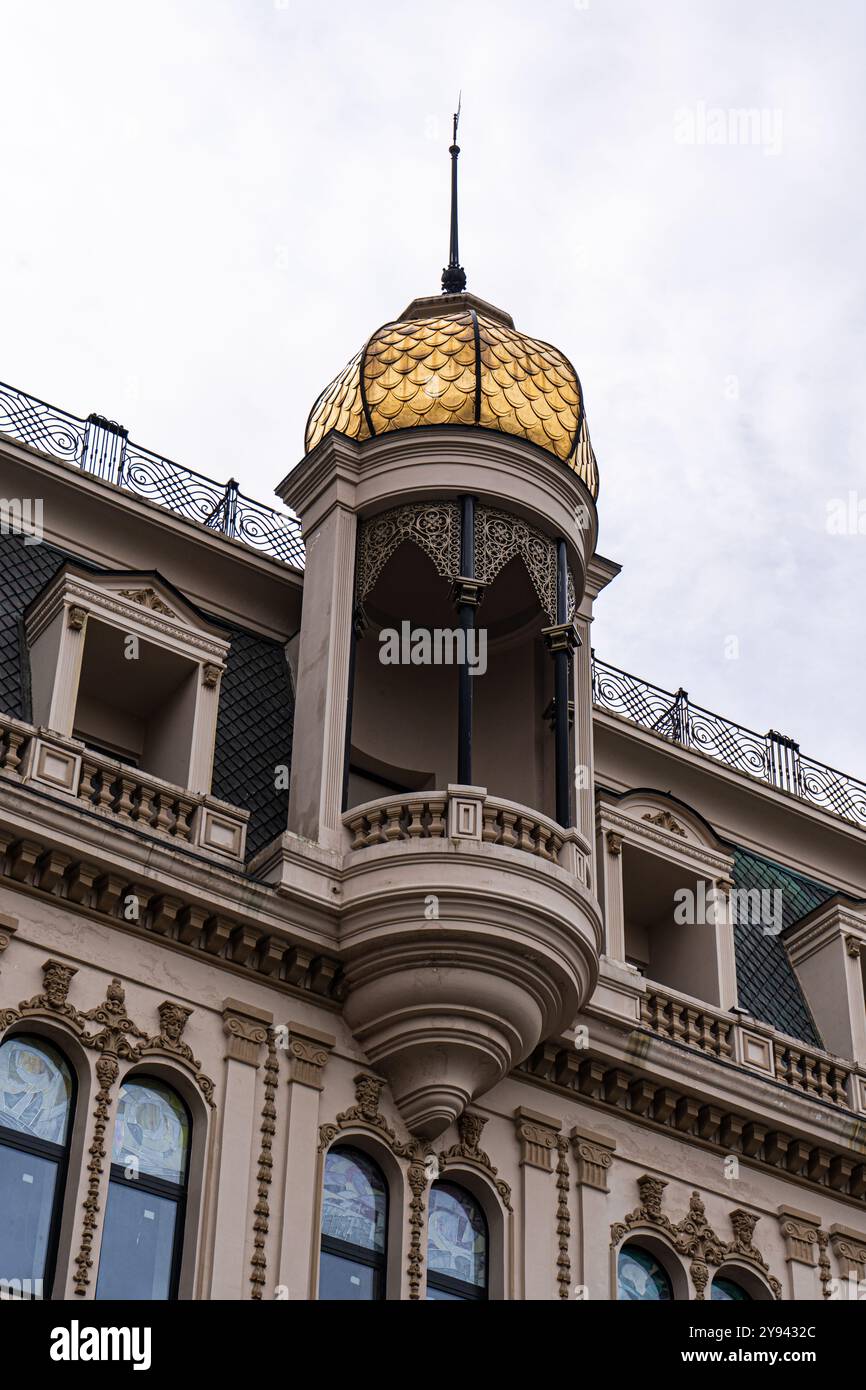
[435, 528]
[499, 536]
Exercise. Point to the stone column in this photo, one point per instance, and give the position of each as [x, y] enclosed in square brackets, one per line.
[724, 928]
[594, 1154]
[539, 1252]
[308, 1053]
[801, 1231]
[612, 896]
[246, 1029]
[201, 753]
[319, 738]
[64, 693]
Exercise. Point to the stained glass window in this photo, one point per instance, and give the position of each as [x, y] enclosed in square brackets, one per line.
[640, 1277]
[141, 1241]
[456, 1245]
[727, 1291]
[151, 1131]
[35, 1090]
[36, 1104]
[354, 1228]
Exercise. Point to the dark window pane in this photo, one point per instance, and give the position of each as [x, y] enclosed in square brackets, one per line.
[27, 1187]
[341, 1280]
[35, 1090]
[136, 1258]
[456, 1236]
[433, 1292]
[355, 1201]
[640, 1278]
[151, 1134]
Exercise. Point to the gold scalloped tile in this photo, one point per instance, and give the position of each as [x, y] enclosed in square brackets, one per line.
[424, 372]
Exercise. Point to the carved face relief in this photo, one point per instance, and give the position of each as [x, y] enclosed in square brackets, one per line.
[172, 1019]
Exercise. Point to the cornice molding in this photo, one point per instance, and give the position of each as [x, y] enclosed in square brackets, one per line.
[660, 1101]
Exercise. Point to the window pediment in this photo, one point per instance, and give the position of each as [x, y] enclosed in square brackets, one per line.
[140, 603]
[123, 663]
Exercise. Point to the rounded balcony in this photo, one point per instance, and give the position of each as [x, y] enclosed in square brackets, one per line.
[468, 935]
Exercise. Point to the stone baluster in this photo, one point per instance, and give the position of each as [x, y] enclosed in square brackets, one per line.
[358, 827]
[182, 818]
[437, 818]
[490, 832]
[377, 833]
[124, 805]
[415, 826]
[163, 804]
[508, 837]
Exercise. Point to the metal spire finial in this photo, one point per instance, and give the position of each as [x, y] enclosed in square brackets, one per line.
[454, 276]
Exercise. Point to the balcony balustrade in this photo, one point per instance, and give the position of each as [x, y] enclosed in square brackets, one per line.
[126, 795]
[466, 813]
[755, 1045]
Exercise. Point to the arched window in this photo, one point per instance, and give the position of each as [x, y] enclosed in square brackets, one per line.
[640, 1278]
[36, 1105]
[141, 1239]
[457, 1245]
[728, 1291]
[354, 1228]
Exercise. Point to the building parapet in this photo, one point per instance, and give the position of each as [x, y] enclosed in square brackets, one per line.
[772, 758]
[103, 448]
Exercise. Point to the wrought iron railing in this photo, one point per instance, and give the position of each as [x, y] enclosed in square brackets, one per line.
[772, 757]
[103, 448]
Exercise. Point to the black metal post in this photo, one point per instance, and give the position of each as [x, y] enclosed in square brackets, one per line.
[466, 615]
[560, 677]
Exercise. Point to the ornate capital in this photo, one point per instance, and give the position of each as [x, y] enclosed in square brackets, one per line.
[562, 637]
[852, 946]
[466, 591]
[210, 674]
[8, 928]
[308, 1052]
[536, 1135]
[849, 1247]
[800, 1231]
[76, 617]
[614, 842]
[246, 1029]
[594, 1153]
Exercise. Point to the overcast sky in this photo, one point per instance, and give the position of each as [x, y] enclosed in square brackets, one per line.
[209, 204]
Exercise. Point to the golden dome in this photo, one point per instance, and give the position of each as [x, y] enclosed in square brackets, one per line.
[454, 360]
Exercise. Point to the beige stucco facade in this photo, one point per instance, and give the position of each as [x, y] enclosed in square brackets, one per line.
[442, 975]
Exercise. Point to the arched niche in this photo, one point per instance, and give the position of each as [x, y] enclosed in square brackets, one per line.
[404, 726]
[82, 1067]
[500, 1232]
[398, 1200]
[662, 1250]
[201, 1137]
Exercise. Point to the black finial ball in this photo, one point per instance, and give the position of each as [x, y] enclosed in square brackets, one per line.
[453, 279]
